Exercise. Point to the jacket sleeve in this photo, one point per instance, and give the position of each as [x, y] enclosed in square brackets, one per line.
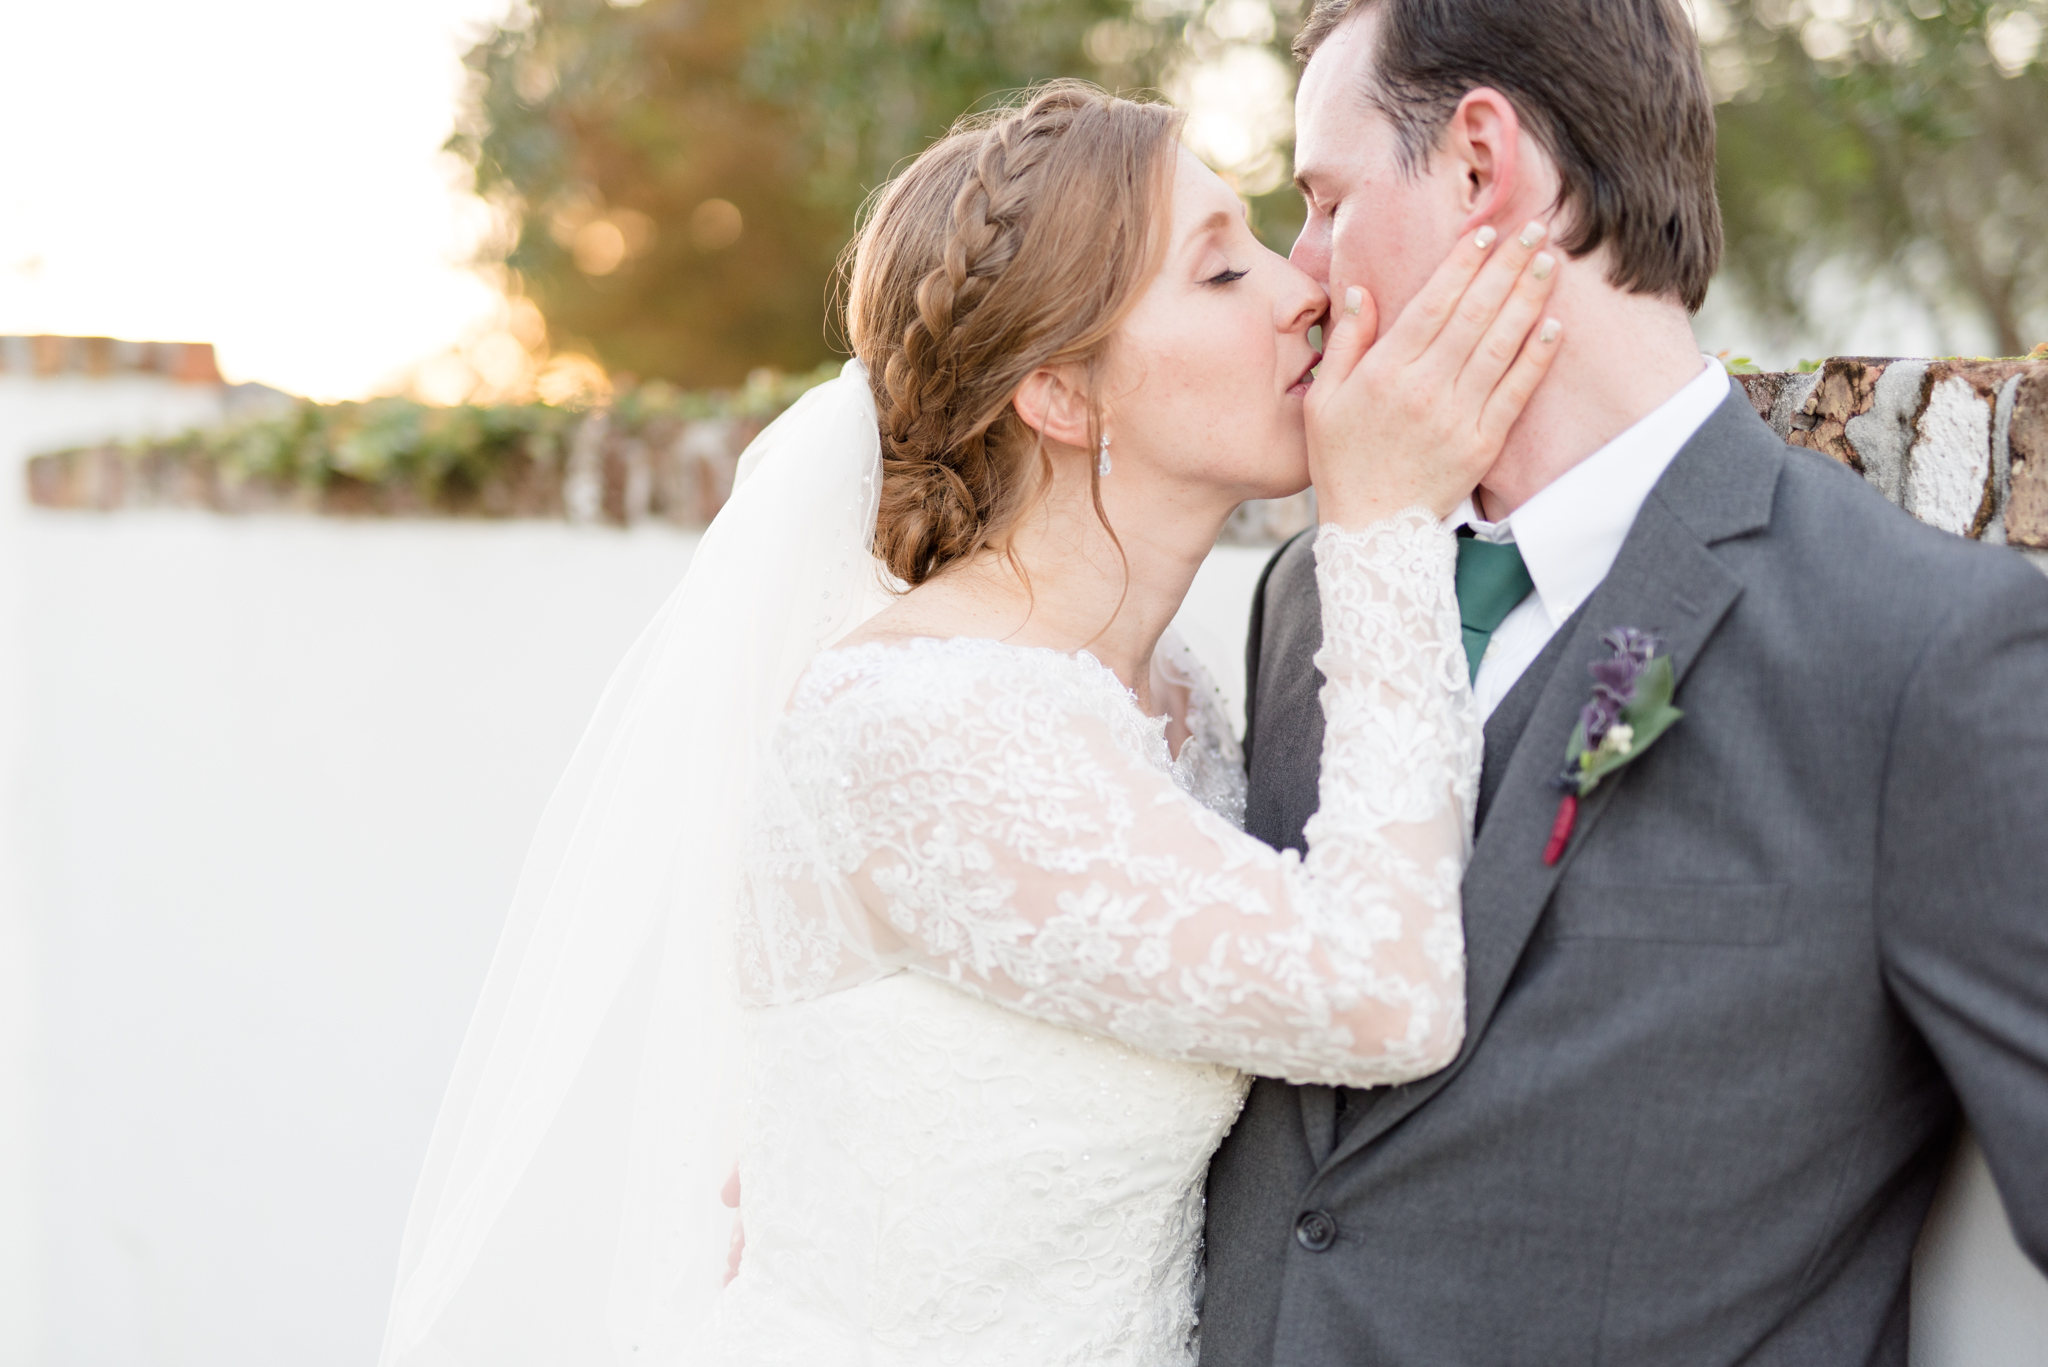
[1962, 876]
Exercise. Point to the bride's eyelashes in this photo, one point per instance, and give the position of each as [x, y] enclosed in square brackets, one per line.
[1226, 277]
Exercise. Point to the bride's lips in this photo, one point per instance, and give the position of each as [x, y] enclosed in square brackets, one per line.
[1308, 376]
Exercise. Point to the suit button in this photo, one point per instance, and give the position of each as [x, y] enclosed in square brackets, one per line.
[1315, 1231]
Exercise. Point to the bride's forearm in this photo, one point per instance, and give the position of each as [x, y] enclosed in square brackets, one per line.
[1388, 843]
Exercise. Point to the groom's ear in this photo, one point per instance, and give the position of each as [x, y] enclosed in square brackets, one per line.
[1052, 406]
[1484, 146]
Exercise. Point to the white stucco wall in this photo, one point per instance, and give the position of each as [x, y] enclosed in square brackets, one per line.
[283, 772]
[38, 414]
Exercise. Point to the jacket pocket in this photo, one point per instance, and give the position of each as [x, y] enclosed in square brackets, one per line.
[1670, 913]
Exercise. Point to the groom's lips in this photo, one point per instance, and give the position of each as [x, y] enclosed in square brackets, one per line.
[1308, 376]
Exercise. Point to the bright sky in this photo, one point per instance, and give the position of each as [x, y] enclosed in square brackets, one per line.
[264, 175]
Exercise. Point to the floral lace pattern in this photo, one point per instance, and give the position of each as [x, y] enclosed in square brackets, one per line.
[929, 1178]
[1210, 765]
[969, 1180]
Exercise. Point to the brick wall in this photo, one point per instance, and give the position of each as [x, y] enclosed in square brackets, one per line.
[604, 471]
[46, 357]
[1962, 445]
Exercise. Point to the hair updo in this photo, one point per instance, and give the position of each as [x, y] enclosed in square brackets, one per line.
[1019, 240]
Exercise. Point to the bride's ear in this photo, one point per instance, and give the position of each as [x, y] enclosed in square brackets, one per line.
[1484, 142]
[1052, 405]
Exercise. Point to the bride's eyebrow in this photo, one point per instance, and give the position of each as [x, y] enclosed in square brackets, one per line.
[1214, 225]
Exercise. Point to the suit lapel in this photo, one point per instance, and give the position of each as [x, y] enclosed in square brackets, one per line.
[1511, 718]
[1666, 580]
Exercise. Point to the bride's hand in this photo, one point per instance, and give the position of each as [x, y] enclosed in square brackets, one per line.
[1420, 415]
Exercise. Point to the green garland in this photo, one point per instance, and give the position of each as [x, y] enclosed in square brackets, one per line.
[392, 454]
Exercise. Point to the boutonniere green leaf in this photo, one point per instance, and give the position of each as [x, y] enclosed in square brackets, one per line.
[1630, 709]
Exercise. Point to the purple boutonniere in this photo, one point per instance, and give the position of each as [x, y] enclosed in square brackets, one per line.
[1631, 707]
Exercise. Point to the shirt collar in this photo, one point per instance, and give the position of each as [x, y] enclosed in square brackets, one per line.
[1571, 530]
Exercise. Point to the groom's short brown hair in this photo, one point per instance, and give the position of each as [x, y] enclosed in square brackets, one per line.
[1612, 89]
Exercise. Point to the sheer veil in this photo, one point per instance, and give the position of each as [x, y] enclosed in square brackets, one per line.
[569, 1212]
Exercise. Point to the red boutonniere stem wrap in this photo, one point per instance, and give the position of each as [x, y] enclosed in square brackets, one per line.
[1561, 828]
[1631, 708]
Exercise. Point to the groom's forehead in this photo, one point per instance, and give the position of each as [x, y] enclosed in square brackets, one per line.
[1347, 46]
[1334, 85]
[1333, 113]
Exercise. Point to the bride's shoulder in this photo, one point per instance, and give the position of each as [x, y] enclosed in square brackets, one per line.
[931, 680]
[891, 664]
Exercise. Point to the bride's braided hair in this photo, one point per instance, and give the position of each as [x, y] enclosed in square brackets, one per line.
[1020, 240]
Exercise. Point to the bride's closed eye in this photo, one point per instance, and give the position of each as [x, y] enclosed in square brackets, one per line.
[1226, 277]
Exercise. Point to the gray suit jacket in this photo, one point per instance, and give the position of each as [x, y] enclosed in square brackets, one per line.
[1714, 1058]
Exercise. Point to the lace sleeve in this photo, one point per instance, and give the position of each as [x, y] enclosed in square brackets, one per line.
[1004, 816]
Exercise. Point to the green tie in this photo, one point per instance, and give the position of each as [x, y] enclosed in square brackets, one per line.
[1491, 581]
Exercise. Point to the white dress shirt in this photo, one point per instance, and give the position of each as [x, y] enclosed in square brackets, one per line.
[1572, 529]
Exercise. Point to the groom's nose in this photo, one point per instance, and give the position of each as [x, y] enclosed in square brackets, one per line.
[1311, 253]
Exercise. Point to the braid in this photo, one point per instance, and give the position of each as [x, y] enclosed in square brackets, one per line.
[942, 338]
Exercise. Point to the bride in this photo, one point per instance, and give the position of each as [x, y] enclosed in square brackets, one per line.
[901, 862]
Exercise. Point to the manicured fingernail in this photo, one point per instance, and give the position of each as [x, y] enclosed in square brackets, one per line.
[1533, 234]
[1354, 299]
[1548, 333]
[1484, 237]
[1542, 265]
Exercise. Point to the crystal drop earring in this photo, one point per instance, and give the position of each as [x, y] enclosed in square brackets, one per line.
[1102, 461]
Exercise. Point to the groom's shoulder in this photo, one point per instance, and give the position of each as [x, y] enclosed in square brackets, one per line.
[1288, 583]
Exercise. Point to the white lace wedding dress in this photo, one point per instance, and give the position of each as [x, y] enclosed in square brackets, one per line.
[1010, 962]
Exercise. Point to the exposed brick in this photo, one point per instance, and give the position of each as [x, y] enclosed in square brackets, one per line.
[99, 357]
[195, 364]
[2026, 509]
[46, 476]
[1762, 391]
[1986, 377]
[1847, 388]
[95, 479]
[51, 355]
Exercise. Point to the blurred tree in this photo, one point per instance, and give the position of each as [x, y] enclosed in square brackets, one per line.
[1230, 66]
[1904, 136]
[1277, 211]
[677, 177]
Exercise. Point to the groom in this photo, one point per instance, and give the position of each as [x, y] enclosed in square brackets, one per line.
[1718, 1051]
